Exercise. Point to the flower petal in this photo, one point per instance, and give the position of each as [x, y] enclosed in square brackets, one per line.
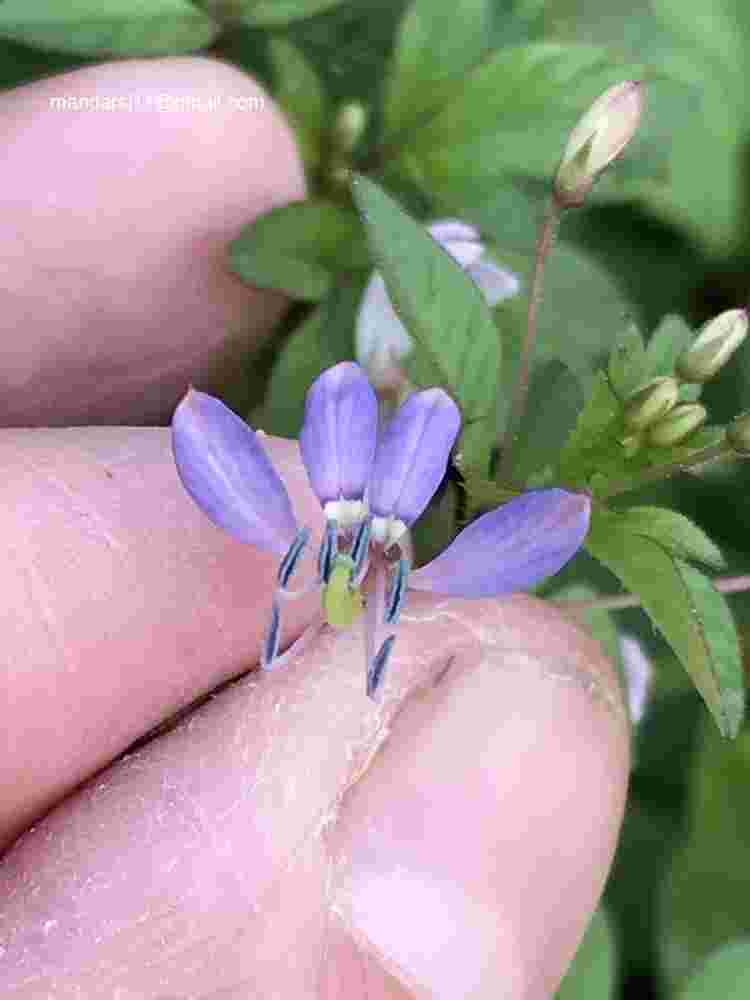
[511, 548]
[381, 339]
[412, 455]
[225, 470]
[459, 239]
[638, 675]
[380, 335]
[339, 433]
[496, 283]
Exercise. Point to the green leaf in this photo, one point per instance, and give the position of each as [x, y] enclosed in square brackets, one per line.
[456, 344]
[627, 362]
[439, 41]
[665, 344]
[300, 248]
[674, 532]
[591, 975]
[712, 28]
[682, 603]
[581, 311]
[726, 974]
[108, 27]
[706, 190]
[268, 13]
[299, 93]
[512, 114]
[594, 439]
[554, 402]
[704, 898]
[325, 338]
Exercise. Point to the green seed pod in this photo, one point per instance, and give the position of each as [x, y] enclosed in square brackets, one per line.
[651, 402]
[678, 424]
[738, 434]
[713, 347]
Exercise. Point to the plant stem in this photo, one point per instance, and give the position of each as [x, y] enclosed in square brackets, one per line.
[521, 390]
[661, 472]
[724, 584]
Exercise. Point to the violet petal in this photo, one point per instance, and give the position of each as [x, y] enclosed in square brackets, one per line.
[412, 455]
[496, 283]
[461, 240]
[511, 548]
[225, 470]
[339, 433]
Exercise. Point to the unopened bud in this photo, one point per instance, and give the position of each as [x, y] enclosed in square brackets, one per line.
[713, 347]
[651, 402]
[678, 424]
[598, 139]
[738, 434]
[349, 126]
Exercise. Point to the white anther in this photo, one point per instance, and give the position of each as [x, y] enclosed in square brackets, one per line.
[386, 530]
[346, 513]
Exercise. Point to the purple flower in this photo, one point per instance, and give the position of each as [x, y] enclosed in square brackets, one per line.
[372, 487]
[381, 338]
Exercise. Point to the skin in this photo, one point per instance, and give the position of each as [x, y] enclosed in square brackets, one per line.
[289, 838]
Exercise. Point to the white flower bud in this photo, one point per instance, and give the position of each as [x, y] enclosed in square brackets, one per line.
[713, 347]
[651, 402]
[598, 139]
[349, 126]
[678, 425]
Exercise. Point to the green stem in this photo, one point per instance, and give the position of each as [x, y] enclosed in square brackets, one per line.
[521, 390]
[661, 472]
[724, 584]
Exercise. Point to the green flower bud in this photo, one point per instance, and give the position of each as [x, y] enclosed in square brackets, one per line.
[598, 139]
[738, 434]
[678, 424]
[651, 402]
[349, 126]
[713, 347]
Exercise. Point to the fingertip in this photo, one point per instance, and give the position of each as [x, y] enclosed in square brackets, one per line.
[476, 846]
[140, 172]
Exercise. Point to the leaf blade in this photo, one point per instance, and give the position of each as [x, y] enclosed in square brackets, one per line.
[455, 339]
[299, 248]
[108, 27]
[683, 604]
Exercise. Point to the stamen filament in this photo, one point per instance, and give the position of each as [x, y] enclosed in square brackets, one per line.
[376, 670]
[359, 552]
[291, 560]
[397, 593]
[328, 551]
[272, 639]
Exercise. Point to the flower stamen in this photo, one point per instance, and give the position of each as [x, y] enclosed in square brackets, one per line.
[396, 593]
[376, 669]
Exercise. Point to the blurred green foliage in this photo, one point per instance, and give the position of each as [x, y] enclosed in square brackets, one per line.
[469, 102]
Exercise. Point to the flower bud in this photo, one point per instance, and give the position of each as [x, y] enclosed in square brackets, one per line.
[678, 424]
[598, 139]
[349, 126]
[651, 402]
[713, 347]
[738, 434]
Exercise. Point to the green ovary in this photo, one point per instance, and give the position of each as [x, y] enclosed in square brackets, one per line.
[342, 605]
